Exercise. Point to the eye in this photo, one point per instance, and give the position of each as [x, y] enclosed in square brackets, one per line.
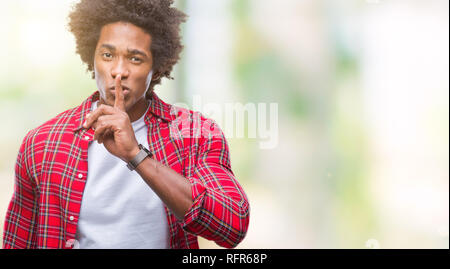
[107, 55]
[136, 59]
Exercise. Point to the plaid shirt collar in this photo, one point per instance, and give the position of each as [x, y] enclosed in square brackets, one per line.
[158, 109]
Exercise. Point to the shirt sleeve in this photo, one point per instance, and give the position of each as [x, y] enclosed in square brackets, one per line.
[221, 210]
[20, 218]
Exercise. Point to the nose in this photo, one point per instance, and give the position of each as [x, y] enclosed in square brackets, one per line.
[120, 68]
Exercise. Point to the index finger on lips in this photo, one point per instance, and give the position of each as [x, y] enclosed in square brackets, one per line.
[119, 101]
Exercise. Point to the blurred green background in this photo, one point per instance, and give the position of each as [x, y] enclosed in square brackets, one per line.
[362, 88]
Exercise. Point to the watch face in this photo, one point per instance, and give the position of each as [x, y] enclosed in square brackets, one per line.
[147, 151]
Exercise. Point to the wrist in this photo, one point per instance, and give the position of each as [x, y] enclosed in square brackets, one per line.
[133, 153]
[139, 157]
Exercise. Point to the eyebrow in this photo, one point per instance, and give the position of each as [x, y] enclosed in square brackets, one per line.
[130, 51]
[138, 52]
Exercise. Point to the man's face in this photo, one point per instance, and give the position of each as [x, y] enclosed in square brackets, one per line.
[123, 49]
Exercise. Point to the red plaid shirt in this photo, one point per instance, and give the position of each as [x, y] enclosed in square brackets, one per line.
[52, 166]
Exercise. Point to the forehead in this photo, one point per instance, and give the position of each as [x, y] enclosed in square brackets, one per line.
[125, 36]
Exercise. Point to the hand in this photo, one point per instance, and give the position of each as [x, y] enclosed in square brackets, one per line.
[113, 127]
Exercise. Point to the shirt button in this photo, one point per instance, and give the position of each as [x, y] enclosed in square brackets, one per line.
[80, 176]
[71, 218]
[70, 243]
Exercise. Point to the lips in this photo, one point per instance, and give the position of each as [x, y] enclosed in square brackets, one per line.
[126, 90]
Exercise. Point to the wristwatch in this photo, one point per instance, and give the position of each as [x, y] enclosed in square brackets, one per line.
[143, 153]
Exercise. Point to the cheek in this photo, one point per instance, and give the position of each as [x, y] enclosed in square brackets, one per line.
[100, 81]
[148, 80]
[98, 77]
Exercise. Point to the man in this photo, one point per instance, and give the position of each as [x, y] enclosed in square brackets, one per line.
[124, 169]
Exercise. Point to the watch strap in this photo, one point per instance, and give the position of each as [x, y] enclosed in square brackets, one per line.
[143, 153]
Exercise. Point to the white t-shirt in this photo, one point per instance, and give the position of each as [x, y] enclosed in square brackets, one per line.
[118, 209]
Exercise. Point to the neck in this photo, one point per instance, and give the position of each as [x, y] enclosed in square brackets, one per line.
[138, 110]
